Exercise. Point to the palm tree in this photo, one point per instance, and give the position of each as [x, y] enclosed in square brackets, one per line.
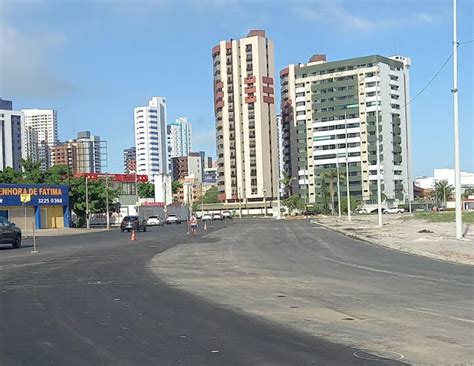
[286, 181]
[443, 191]
[331, 175]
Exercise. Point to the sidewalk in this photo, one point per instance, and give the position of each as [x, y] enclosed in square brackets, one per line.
[405, 233]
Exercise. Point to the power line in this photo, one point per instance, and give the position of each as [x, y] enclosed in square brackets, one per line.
[431, 80]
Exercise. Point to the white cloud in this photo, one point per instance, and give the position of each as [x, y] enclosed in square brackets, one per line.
[25, 64]
[336, 13]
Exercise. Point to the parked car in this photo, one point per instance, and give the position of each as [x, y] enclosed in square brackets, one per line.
[227, 214]
[173, 219]
[393, 210]
[207, 216]
[217, 216]
[136, 223]
[154, 221]
[9, 233]
[310, 213]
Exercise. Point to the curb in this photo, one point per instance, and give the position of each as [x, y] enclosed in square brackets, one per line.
[406, 251]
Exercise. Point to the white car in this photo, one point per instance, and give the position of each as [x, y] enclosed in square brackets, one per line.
[207, 217]
[173, 219]
[217, 216]
[393, 210]
[154, 221]
[227, 214]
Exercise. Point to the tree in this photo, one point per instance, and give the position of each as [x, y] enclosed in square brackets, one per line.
[10, 176]
[443, 191]
[175, 186]
[146, 190]
[286, 181]
[58, 174]
[354, 204]
[32, 172]
[211, 196]
[97, 197]
[468, 192]
[295, 202]
[331, 175]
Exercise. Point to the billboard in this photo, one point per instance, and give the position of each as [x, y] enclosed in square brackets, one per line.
[33, 195]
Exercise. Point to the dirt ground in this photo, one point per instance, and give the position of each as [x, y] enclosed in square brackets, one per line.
[406, 233]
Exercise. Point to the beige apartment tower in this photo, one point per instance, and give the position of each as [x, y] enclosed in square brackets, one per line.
[246, 129]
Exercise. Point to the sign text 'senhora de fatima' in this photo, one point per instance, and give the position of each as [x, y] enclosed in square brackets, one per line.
[41, 194]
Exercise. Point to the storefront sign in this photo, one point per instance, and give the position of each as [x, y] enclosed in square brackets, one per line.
[38, 194]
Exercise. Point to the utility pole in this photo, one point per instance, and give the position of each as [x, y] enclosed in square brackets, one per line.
[279, 200]
[457, 167]
[88, 224]
[265, 202]
[348, 194]
[107, 199]
[240, 203]
[337, 182]
[377, 141]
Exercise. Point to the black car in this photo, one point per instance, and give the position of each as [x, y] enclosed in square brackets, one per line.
[9, 233]
[130, 223]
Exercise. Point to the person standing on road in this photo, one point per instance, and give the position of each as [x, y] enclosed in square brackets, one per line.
[193, 222]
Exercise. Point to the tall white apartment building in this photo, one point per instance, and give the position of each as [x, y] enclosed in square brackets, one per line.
[151, 138]
[330, 112]
[246, 129]
[40, 134]
[179, 137]
[10, 136]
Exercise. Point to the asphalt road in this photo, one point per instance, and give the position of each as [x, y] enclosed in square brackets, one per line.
[350, 292]
[92, 300]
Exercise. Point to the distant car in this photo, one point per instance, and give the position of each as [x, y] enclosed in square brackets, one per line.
[173, 219]
[217, 216]
[207, 217]
[130, 223]
[9, 233]
[154, 221]
[393, 210]
[227, 214]
[310, 213]
[198, 214]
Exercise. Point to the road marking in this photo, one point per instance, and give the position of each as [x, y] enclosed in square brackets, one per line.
[441, 315]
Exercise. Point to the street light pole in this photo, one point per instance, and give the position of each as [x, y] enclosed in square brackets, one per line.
[377, 141]
[348, 194]
[337, 182]
[88, 225]
[107, 199]
[278, 200]
[457, 167]
[240, 203]
[265, 202]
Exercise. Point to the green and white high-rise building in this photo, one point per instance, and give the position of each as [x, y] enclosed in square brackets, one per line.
[329, 111]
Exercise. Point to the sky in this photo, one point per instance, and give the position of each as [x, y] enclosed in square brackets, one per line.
[94, 61]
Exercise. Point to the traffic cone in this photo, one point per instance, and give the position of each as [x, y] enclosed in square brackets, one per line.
[205, 225]
[134, 236]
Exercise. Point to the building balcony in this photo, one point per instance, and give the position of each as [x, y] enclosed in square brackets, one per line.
[267, 80]
[250, 80]
[268, 99]
[268, 90]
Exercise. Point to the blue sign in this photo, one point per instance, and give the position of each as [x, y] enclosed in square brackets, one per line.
[39, 195]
